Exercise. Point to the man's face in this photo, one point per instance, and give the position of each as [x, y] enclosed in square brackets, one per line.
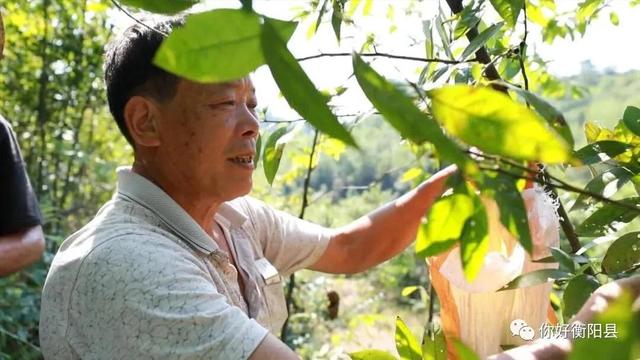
[208, 136]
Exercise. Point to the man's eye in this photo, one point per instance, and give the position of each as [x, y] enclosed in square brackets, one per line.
[223, 104]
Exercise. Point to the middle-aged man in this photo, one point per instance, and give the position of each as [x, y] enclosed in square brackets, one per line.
[180, 263]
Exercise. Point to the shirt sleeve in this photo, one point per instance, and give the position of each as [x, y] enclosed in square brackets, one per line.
[19, 207]
[288, 242]
[138, 297]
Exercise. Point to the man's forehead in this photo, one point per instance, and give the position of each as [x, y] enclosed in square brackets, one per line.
[214, 88]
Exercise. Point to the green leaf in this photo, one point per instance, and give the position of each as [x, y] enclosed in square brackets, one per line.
[608, 218]
[161, 6]
[613, 17]
[444, 38]
[623, 254]
[631, 119]
[401, 113]
[606, 184]
[576, 294]
[323, 10]
[273, 153]
[600, 151]
[626, 342]
[191, 52]
[474, 241]
[371, 355]
[406, 344]
[480, 40]
[336, 17]
[467, 20]
[535, 278]
[548, 112]
[296, 86]
[434, 346]
[565, 260]
[444, 225]
[247, 5]
[508, 128]
[513, 214]
[258, 150]
[464, 352]
[509, 10]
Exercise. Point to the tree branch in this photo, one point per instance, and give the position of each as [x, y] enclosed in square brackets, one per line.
[391, 56]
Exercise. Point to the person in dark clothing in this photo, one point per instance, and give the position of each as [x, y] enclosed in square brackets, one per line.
[21, 238]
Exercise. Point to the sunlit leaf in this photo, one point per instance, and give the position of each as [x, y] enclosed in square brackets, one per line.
[576, 294]
[434, 345]
[548, 112]
[398, 109]
[535, 278]
[623, 254]
[614, 19]
[296, 86]
[444, 38]
[323, 10]
[565, 260]
[609, 218]
[273, 153]
[509, 10]
[480, 40]
[474, 240]
[508, 128]
[445, 222]
[336, 17]
[256, 158]
[371, 355]
[231, 54]
[467, 20]
[406, 344]
[161, 6]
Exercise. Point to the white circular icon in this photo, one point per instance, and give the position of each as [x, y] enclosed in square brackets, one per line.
[516, 325]
[526, 333]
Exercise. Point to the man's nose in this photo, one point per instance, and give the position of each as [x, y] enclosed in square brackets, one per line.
[249, 124]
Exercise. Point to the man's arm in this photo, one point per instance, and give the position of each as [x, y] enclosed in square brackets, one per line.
[19, 249]
[271, 348]
[383, 233]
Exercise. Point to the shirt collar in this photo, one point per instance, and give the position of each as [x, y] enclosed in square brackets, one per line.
[142, 191]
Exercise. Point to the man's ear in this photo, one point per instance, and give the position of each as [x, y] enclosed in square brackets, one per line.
[140, 116]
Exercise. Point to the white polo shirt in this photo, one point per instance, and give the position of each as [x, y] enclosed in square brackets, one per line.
[143, 280]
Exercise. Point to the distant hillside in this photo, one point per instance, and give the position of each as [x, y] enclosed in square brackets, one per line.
[608, 95]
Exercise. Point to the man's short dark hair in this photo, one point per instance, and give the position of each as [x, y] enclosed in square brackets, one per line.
[129, 69]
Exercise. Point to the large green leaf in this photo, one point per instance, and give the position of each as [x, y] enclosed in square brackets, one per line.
[548, 112]
[535, 278]
[161, 6]
[631, 119]
[336, 17]
[509, 10]
[513, 214]
[400, 111]
[273, 153]
[444, 225]
[623, 344]
[467, 19]
[600, 151]
[464, 352]
[231, 53]
[406, 344]
[474, 240]
[496, 124]
[608, 218]
[623, 254]
[576, 294]
[607, 184]
[296, 86]
[434, 346]
[371, 355]
[480, 40]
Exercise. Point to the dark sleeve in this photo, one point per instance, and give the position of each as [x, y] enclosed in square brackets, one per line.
[18, 204]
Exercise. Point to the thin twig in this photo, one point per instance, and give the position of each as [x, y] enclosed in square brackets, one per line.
[391, 56]
[116, 4]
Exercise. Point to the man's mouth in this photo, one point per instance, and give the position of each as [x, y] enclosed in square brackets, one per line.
[242, 160]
